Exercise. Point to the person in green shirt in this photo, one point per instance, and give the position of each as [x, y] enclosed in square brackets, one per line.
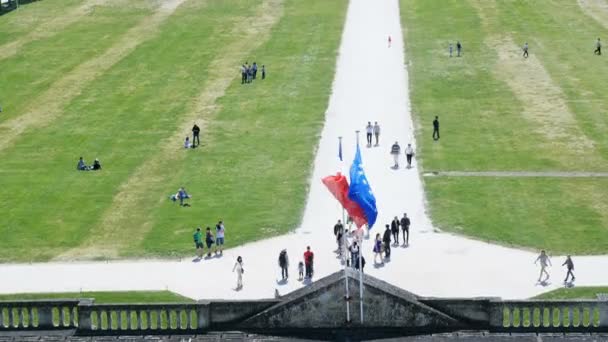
[198, 242]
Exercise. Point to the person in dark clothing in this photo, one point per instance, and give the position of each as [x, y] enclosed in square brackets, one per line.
[96, 165]
[284, 264]
[254, 69]
[81, 165]
[395, 151]
[195, 135]
[436, 128]
[209, 241]
[263, 71]
[243, 74]
[458, 48]
[362, 264]
[395, 230]
[369, 130]
[570, 266]
[405, 227]
[308, 262]
[525, 48]
[598, 47]
[386, 239]
[339, 233]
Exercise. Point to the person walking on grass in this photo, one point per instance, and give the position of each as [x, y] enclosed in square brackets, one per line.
[450, 49]
[377, 133]
[219, 237]
[395, 151]
[243, 74]
[308, 261]
[525, 48]
[386, 239]
[238, 268]
[436, 128]
[263, 72]
[395, 230]
[378, 250]
[544, 260]
[254, 69]
[209, 241]
[369, 130]
[458, 48]
[409, 153]
[198, 243]
[195, 135]
[570, 267]
[598, 47]
[405, 227]
[284, 264]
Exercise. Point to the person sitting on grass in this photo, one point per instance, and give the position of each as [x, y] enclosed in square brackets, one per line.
[187, 143]
[81, 165]
[181, 195]
[96, 165]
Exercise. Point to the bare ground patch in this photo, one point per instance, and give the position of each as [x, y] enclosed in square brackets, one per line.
[50, 104]
[110, 236]
[596, 9]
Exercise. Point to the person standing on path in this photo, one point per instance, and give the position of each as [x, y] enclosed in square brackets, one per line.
[377, 133]
[389, 41]
[339, 233]
[284, 264]
[458, 48]
[544, 263]
[405, 227]
[436, 128]
[195, 135]
[308, 261]
[450, 49]
[354, 253]
[198, 243]
[219, 237]
[525, 48]
[238, 268]
[209, 241]
[386, 238]
[369, 129]
[395, 230]
[570, 266]
[378, 250]
[598, 47]
[409, 153]
[395, 151]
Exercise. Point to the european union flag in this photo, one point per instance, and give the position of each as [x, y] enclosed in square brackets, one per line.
[360, 192]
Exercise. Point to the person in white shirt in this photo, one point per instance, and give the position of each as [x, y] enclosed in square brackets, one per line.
[525, 48]
[238, 268]
[409, 153]
[377, 133]
[187, 142]
[544, 262]
[395, 151]
[369, 129]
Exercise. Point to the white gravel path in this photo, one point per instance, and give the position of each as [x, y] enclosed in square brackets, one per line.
[370, 85]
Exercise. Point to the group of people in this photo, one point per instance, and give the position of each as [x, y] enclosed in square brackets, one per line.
[372, 131]
[544, 261]
[195, 138]
[458, 49]
[82, 166]
[303, 266]
[209, 240]
[396, 152]
[382, 242]
[249, 72]
[181, 195]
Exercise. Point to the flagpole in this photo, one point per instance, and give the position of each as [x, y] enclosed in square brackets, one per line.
[360, 261]
[347, 298]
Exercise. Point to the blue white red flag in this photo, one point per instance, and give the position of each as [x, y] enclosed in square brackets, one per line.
[360, 191]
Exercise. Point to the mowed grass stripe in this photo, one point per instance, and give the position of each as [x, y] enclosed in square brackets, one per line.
[64, 15]
[121, 118]
[255, 168]
[596, 9]
[41, 63]
[50, 104]
[119, 228]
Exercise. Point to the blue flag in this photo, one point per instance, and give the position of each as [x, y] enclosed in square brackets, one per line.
[360, 192]
[340, 149]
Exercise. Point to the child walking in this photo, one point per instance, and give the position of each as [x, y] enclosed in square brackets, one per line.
[238, 268]
[300, 270]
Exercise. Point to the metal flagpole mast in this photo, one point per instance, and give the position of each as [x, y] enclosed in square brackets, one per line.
[360, 261]
[347, 298]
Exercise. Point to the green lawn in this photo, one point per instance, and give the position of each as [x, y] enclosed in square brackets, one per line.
[499, 112]
[130, 114]
[574, 293]
[107, 297]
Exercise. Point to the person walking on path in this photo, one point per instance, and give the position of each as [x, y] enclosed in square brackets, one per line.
[570, 266]
[354, 253]
[450, 49]
[339, 233]
[362, 264]
[395, 151]
[395, 230]
[436, 128]
[525, 48]
[378, 250]
[198, 243]
[284, 264]
[543, 258]
[390, 40]
[386, 238]
[369, 129]
[195, 135]
[598, 47]
[209, 241]
[308, 261]
[219, 237]
[300, 270]
[409, 153]
[405, 227]
[238, 268]
[377, 133]
[458, 48]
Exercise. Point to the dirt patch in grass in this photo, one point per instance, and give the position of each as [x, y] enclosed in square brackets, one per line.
[50, 104]
[596, 9]
[109, 237]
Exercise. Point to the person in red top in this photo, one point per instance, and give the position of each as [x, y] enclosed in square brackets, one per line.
[308, 261]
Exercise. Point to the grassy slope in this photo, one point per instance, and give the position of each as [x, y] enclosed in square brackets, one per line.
[573, 293]
[107, 297]
[483, 129]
